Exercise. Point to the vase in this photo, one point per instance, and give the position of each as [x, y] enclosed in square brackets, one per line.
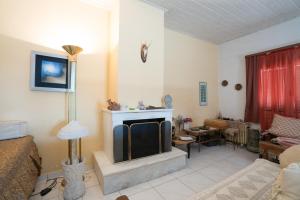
[186, 125]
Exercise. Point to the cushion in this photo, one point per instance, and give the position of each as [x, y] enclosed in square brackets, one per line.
[232, 131]
[287, 185]
[285, 127]
[290, 155]
[12, 129]
[233, 123]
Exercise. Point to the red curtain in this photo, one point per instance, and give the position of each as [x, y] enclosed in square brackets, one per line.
[252, 74]
[273, 86]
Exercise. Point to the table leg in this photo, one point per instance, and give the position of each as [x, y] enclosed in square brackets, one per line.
[263, 154]
[189, 149]
[198, 141]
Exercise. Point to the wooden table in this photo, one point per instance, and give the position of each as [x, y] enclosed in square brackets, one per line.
[267, 147]
[177, 141]
[199, 133]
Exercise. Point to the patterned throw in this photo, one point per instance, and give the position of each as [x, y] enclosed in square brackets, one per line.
[18, 168]
[285, 127]
[252, 183]
[287, 142]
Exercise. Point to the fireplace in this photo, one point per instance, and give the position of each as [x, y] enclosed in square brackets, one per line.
[129, 135]
[140, 138]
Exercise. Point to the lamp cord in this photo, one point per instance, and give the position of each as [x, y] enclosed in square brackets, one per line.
[48, 189]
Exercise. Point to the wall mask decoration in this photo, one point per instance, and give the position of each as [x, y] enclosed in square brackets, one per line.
[238, 87]
[50, 72]
[224, 83]
[144, 52]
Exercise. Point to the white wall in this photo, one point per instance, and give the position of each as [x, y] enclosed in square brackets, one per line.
[232, 62]
[131, 80]
[187, 61]
[46, 26]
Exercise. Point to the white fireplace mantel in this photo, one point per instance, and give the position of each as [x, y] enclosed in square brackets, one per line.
[117, 176]
[112, 119]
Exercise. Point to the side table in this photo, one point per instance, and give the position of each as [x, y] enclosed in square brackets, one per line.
[202, 132]
[268, 147]
[177, 141]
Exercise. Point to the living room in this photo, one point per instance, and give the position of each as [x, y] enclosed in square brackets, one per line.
[139, 53]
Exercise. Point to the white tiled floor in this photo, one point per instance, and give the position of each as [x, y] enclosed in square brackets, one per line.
[204, 169]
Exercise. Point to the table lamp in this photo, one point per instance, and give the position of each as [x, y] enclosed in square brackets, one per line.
[73, 131]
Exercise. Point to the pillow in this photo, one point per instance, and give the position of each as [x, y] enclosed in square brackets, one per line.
[290, 155]
[285, 127]
[287, 185]
[12, 129]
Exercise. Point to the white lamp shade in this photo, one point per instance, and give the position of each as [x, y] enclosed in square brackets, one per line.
[73, 130]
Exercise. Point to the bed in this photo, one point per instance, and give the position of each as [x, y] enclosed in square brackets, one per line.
[252, 183]
[19, 168]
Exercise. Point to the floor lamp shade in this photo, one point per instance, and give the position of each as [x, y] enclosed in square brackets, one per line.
[73, 130]
[72, 50]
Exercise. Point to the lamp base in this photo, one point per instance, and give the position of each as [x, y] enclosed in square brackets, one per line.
[74, 187]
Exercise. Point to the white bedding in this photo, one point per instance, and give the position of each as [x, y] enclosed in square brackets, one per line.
[252, 183]
[12, 129]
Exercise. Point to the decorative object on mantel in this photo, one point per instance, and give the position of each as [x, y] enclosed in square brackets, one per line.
[112, 105]
[154, 107]
[238, 87]
[224, 83]
[141, 105]
[49, 72]
[168, 101]
[144, 52]
[203, 93]
[74, 167]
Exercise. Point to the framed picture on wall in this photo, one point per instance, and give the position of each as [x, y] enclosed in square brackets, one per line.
[203, 93]
[50, 72]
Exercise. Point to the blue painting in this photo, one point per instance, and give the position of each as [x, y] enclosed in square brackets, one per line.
[53, 72]
[202, 93]
[50, 72]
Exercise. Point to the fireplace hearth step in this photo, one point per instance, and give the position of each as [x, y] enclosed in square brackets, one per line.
[118, 176]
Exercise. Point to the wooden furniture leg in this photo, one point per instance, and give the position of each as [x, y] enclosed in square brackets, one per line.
[198, 140]
[189, 149]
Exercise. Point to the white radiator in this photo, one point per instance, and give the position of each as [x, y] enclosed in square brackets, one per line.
[243, 133]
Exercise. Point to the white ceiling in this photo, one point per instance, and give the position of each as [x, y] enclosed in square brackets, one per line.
[219, 21]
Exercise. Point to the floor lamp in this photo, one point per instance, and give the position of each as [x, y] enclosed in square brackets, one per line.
[73, 168]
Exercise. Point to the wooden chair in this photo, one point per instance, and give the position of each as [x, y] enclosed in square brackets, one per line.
[232, 133]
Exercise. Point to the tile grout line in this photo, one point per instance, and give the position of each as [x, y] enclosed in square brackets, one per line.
[159, 193]
[187, 186]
